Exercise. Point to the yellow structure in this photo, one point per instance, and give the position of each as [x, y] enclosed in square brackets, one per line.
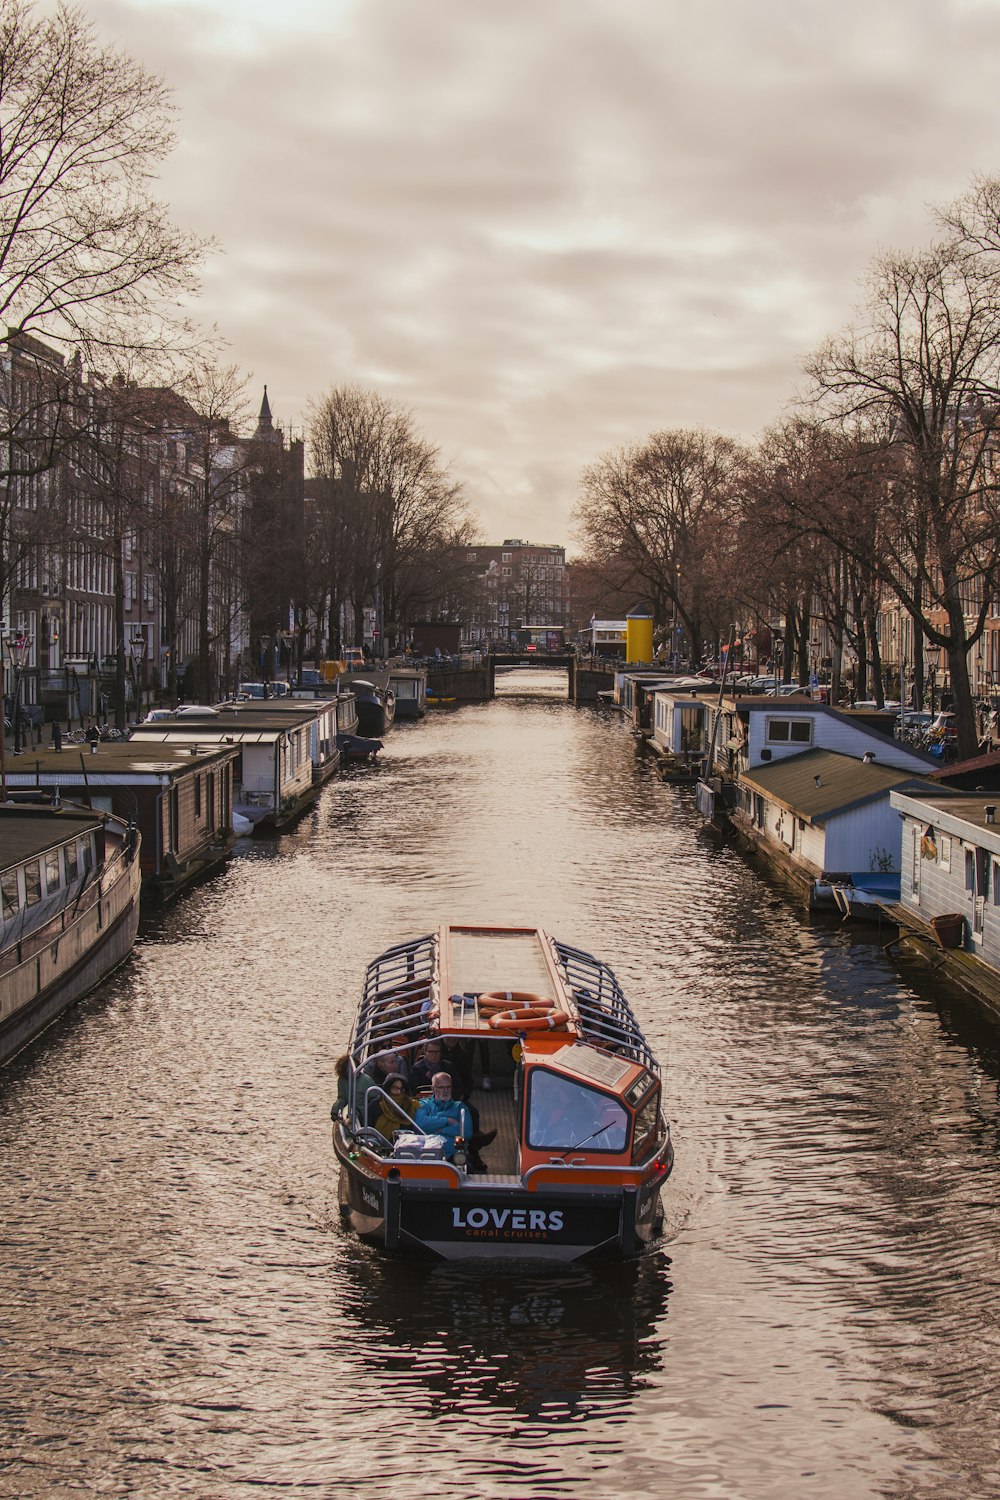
[638, 636]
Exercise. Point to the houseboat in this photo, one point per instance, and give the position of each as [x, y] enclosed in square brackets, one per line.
[409, 687]
[679, 734]
[179, 795]
[279, 743]
[579, 1147]
[69, 908]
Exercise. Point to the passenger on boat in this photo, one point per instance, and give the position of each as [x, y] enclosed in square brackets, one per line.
[397, 1114]
[443, 1115]
[376, 1070]
[341, 1070]
[433, 1061]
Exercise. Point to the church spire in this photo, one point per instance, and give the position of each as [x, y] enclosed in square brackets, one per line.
[265, 426]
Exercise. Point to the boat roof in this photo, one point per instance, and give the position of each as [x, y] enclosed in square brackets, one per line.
[819, 784]
[29, 831]
[116, 760]
[431, 986]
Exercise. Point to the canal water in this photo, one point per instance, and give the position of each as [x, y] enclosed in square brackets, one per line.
[183, 1314]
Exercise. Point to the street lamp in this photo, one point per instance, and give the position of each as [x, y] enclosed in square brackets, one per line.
[137, 655]
[265, 646]
[287, 639]
[18, 645]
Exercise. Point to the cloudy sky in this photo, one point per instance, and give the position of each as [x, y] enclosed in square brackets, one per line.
[551, 227]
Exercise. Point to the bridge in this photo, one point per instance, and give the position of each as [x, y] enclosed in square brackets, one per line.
[532, 658]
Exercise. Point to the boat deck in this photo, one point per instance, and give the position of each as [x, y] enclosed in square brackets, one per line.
[480, 960]
[498, 1111]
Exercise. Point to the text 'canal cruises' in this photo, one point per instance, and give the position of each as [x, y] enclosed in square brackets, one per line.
[499, 1040]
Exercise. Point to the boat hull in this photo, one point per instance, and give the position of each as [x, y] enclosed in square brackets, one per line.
[35, 992]
[470, 1218]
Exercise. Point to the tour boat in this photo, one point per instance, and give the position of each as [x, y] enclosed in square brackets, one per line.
[69, 908]
[551, 1059]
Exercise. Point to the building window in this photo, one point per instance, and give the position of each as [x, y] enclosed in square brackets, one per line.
[197, 796]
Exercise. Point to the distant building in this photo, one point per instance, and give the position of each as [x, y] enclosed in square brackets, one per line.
[522, 584]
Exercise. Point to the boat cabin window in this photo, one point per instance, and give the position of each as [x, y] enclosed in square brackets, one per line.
[785, 731]
[32, 883]
[72, 862]
[9, 892]
[566, 1114]
[647, 1127]
[53, 871]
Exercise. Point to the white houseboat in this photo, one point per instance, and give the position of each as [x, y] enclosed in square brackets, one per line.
[69, 908]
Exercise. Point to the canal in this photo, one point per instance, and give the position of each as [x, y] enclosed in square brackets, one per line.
[183, 1314]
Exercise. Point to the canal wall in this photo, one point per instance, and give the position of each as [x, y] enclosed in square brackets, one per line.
[586, 682]
[464, 684]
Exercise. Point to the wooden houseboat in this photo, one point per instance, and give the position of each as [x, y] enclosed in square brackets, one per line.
[581, 1148]
[180, 796]
[69, 908]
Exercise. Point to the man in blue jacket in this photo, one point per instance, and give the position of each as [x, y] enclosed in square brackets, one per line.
[444, 1115]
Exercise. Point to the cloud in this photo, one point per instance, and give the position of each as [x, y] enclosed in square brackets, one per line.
[550, 228]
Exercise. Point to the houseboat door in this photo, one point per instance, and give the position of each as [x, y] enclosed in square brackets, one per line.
[916, 865]
[982, 891]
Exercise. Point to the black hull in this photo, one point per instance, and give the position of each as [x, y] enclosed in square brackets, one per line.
[473, 1220]
[374, 719]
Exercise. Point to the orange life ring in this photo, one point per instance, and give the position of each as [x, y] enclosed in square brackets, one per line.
[513, 1020]
[506, 998]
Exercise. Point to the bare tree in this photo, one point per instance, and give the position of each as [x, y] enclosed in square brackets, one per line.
[385, 506]
[925, 364]
[87, 256]
[658, 516]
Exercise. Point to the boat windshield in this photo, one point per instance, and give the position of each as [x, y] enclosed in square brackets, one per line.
[566, 1114]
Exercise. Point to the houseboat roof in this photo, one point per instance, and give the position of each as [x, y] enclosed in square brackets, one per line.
[209, 732]
[819, 784]
[26, 832]
[958, 807]
[115, 760]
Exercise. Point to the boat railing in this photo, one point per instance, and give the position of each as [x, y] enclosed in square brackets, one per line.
[605, 1014]
[577, 1164]
[375, 1089]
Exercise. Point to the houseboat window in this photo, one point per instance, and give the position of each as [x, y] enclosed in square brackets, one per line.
[996, 879]
[86, 848]
[53, 871]
[944, 852]
[197, 796]
[970, 870]
[9, 892]
[32, 883]
[789, 731]
[72, 862]
[565, 1115]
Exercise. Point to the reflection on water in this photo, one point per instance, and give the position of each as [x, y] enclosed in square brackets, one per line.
[184, 1313]
[550, 1349]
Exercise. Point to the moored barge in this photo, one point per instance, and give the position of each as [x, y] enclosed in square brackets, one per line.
[559, 1081]
[69, 909]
